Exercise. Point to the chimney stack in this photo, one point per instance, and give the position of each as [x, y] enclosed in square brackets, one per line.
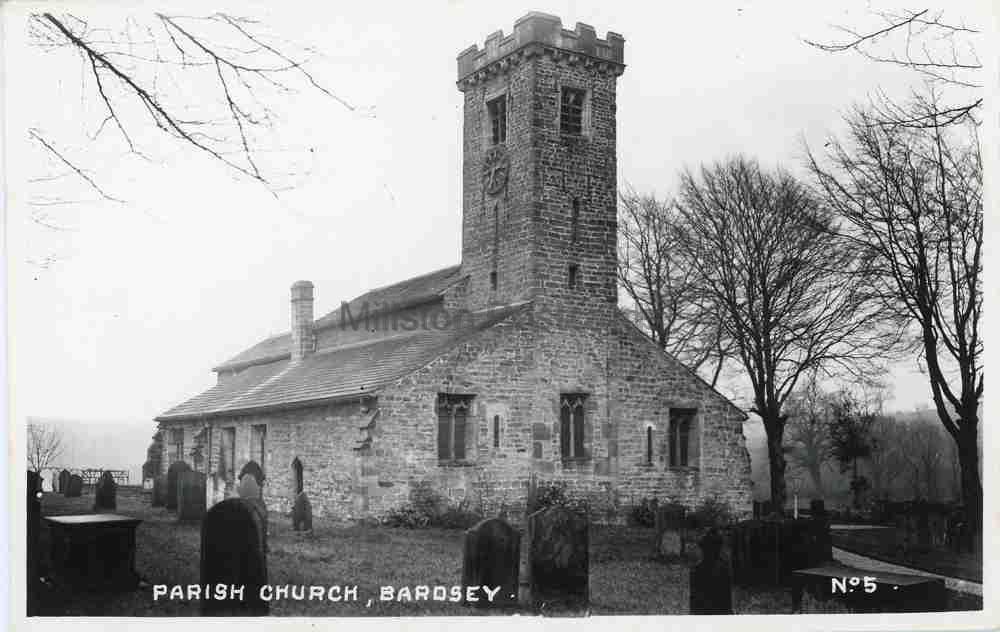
[302, 320]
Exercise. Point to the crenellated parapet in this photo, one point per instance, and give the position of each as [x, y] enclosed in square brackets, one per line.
[538, 34]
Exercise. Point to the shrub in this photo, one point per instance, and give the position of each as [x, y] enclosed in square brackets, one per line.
[431, 515]
[644, 513]
[553, 494]
[711, 512]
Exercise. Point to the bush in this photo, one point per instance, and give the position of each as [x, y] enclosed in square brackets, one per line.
[431, 515]
[644, 513]
[406, 516]
[711, 512]
[553, 494]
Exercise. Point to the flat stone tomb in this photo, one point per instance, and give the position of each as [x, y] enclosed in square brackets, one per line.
[94, 551]
[559, 560]
[711, 580]
[893, 592]
[232, 553]
[492, 558]
[190, 495]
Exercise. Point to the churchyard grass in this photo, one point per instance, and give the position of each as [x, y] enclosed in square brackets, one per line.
[625, 578]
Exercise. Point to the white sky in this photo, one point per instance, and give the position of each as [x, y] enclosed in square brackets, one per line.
[148, 296]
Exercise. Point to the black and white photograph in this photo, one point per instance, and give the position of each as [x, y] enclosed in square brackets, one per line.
[553, 312]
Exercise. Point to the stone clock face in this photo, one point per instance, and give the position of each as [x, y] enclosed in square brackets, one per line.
[496, 169]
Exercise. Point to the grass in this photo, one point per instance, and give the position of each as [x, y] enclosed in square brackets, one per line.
[882, 544]
[625, 577]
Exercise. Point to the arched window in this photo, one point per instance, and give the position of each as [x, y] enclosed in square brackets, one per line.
[571, 426]
[297, 481]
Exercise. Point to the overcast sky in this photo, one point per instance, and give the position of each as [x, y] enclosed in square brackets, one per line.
[145, 297]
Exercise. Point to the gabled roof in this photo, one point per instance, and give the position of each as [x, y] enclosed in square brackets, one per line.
[347, 371]
[420, 289]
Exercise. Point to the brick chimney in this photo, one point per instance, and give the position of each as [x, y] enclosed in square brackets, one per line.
[303, 342]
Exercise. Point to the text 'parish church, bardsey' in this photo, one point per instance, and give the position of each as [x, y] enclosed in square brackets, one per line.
[468, 382]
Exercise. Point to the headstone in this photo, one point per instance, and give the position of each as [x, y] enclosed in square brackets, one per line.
[669, 525]
[302, 518]
[817, 507]
[711, 580]
[105, 493]
[190, 495]
[559, 558]
[55, 482]
[172, 472]
[33, 530]
[74, 488]
[64, 481]
[249, 491]
[159, 491]
[253, 468]
[232, 553]
[492, 558]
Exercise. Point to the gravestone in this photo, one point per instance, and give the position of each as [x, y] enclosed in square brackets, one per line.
[253, 468]
[250, 492]
[559, 558]
[302, 518]
[74, 488]
[232, 553]
[55, 482]
[105, 493]
[711, 580]
[64, 477]
[190, 495]
[33, 530]
[669, 527]
[492, 558]
[159, 491]
[172, 472]
[817, 508]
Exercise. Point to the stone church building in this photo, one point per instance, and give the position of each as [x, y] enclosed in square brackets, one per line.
[468, 383]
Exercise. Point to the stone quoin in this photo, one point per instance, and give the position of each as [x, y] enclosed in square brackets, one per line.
[470, 382]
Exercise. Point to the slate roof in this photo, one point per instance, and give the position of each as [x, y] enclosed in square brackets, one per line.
[421, 289]
[331, 374]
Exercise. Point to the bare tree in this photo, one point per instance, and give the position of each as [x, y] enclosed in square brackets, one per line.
[941, 51]
[808, 431]
[925, 452]
[44, 445]
[658, 282]
[205, 82]
[912, 198]
[766, 254]
[887, 461]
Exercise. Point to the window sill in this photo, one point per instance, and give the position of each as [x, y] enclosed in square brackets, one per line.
[449, 463]
[682, 468]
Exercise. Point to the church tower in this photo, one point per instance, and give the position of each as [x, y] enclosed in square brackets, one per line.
[539, 187]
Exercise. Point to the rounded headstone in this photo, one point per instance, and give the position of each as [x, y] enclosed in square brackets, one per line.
[302, 513]
[105, 493]
[74, 488]
[559, 557]
[253, 468]
[190, 495]
[159, 497]
[232, 553]
[492, 558]
[64, 477]
[248, 488]
[172, 472]
[711, 580]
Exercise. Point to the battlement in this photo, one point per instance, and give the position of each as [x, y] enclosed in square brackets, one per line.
[547, 30]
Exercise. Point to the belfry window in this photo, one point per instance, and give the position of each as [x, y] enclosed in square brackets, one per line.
[571, 417]
[497, 110]
[453, 417]
[571, 110]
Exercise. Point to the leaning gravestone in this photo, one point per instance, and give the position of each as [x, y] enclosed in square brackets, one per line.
[74, 488]
[64, 477]
[249, 491]
[34, 527]
[254, 469]
[711, 580]
[159, 491]
[172, 472]
[105, 493]
[670, 529]
[492, 558]
[559, 558]
[232, 554]
[302, 519]
[190, 495]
